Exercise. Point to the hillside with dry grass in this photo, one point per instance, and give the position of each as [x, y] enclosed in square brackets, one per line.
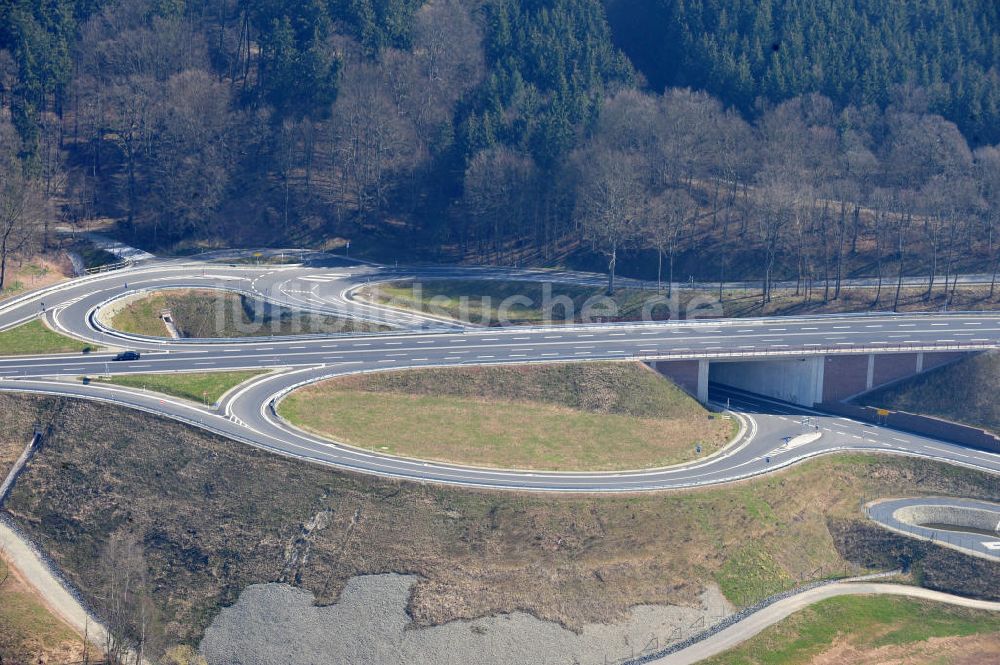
[211, 516]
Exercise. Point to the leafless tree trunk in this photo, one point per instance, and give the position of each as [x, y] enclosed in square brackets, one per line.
[21, 210]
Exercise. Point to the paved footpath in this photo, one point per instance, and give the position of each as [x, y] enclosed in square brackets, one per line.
[36, 572]
[738, 633]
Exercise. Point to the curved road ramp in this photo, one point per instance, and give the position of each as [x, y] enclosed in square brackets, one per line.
[964, 524]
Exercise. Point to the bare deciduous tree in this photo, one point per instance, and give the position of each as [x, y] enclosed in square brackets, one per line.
[664, 218]
[22, 209]
[124, 602]
[609, 203]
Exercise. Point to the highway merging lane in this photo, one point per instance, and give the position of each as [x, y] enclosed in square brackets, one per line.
[772, 434]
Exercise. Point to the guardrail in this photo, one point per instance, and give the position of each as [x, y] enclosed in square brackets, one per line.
[930, 347]
[109, 267]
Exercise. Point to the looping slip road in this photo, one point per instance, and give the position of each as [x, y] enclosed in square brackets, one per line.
[427, 342]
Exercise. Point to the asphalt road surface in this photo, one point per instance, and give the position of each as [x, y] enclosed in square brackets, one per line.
[772, 436]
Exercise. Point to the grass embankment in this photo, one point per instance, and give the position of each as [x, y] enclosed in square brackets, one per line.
[567, 417]
[29, 632]
[873, 629]
[205, 313]
[213, 516]
[206, 387]
[480, 301]
[964, 392]
[34, 337]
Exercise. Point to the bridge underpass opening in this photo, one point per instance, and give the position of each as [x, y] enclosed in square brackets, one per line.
[796, 380]
[810, 380]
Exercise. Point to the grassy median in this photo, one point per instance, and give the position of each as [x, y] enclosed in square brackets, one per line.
[206, 387]
[206, 313]
[569, 416]
[873, 629]
[35, 337]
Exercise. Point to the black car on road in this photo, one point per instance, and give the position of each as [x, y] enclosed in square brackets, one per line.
[127, 355]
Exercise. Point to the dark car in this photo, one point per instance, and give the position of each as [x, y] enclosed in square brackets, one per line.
[127, 355]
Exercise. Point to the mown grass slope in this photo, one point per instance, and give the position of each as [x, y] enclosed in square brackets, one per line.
[213, 516]
[872, 629]
[964, 392]
[563, 416]
[34, 337]
[205, 387]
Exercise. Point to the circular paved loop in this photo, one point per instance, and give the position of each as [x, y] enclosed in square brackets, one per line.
[324, 286]
[977, 522]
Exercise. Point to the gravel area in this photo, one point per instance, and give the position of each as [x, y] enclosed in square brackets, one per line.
[274, 624]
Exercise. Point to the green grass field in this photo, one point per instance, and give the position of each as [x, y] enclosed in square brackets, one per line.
[581, 416]
[35, 338]
[838, 627]
[205, 387]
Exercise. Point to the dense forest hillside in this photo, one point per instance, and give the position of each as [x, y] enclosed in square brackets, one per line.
[689, 139]
[853, 51]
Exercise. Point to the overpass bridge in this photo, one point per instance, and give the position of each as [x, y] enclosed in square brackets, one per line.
[808, 377]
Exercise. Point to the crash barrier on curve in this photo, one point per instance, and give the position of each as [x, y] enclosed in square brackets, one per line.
[914, 423]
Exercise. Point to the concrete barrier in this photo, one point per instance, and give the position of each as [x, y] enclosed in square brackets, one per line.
[928, 426]
[972, 518]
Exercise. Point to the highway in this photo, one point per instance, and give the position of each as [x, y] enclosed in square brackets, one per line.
[772, 434]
